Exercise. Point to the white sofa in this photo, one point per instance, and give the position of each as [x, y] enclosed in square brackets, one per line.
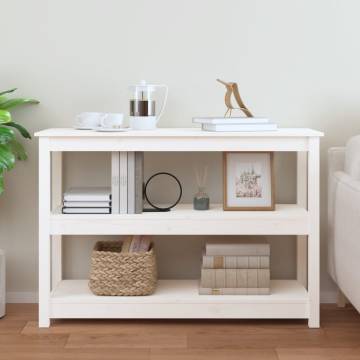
[344, 219]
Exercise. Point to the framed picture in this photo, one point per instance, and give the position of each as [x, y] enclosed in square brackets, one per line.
[248, 181]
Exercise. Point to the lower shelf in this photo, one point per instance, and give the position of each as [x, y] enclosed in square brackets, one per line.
[179, 299]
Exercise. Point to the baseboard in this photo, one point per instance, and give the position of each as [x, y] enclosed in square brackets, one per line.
[16, 297]
[326, 297]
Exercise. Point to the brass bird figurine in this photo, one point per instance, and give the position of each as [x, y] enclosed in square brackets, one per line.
[232, 88]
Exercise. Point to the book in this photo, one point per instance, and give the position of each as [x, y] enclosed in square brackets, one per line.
[235, 262]
[115, 182]
[139, 182]
[87, 204]
[230, 120]
[238, 248]
[235, 278]
[234, 291]
[239, 127]
[123, 182]
[88, 194]
[131, 183]
[83, 210]
[136, 243]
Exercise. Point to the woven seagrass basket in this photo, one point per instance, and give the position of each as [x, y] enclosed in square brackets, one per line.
[121, 274]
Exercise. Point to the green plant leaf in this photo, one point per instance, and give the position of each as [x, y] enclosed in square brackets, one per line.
[10, 103]
[8, 91]
[6, 135]
[18, 150]
[20, 128]
[5, 116]
[7, 158]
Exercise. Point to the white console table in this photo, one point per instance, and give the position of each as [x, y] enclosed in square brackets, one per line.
[68, 299]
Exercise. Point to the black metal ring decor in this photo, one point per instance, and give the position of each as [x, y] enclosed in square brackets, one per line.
[157, 208]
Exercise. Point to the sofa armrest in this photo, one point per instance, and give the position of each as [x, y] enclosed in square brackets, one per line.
[336, 159]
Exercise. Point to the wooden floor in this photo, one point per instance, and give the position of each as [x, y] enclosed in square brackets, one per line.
[338, 338]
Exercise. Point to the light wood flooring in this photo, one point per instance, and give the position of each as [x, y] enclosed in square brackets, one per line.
[338, 338]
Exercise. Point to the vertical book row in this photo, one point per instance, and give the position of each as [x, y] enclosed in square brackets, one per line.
[127, 177]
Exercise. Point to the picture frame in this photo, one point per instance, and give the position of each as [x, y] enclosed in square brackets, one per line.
[248, 181]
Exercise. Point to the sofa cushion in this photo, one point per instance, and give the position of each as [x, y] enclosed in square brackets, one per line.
[352, 157]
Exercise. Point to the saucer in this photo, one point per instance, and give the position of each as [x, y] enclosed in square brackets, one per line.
[82, 127]
[104, 129]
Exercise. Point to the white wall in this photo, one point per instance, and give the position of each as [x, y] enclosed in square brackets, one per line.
[295, 61]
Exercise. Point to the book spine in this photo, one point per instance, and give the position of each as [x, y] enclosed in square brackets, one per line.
[123, 183]
[139, 181]
[234, 291]
[236, 262]
[237, 249]
[115, 182]
[235, 278]
[131, 182]
[91, 204]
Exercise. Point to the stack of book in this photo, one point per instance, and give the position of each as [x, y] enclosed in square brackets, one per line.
[87, 200]
[236, 268]
[136, 243]
[127, 178]
[221, 124]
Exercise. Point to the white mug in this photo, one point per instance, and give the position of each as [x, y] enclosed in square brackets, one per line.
[143, 122]
[88, 120]
[112, 121]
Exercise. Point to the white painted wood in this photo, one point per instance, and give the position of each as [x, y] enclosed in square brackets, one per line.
[287, 219]
[179, 299]
[178, 140]
[301, 241]
[44, 231]
[176, 133]
[57, 194]
[341, 299]
[314, 235]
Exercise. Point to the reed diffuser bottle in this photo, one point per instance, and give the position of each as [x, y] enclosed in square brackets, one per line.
[201, 198]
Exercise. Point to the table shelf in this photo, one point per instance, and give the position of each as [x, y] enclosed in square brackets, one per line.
[298, 298]
[287, 219]
[179, 299]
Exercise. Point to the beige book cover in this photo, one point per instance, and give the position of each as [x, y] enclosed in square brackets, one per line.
[252, 278]
[208, 278]
[238, 247]
[230, 278]
[264, 262]
[254, 262]
[242, 278]
[263, 278]
[234, 291]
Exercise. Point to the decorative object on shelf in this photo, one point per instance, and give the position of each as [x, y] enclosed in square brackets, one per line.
[235, 124]
[99, 121]
[147, 195]
[87, 200]
[236, 268]
[127, 182]
[232, 89]
[117, 273]
[248, 181]
[10, 148]
[143, 106]
[201, 199]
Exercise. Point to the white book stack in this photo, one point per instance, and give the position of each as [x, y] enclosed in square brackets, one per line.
[127, 174]
[236, 268]
[223, 124]
[87, 200]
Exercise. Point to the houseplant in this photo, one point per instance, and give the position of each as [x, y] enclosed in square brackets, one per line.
[10, 149]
